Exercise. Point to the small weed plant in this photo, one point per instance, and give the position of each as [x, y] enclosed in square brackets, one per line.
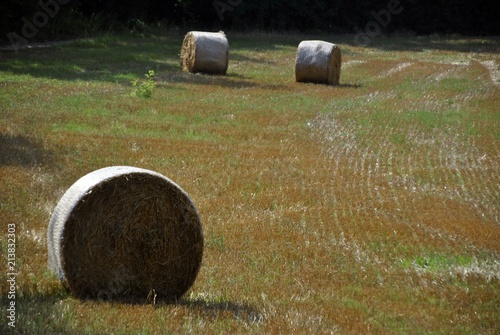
[144, 88]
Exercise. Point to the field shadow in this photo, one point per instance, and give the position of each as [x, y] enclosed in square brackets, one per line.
[30, 309]
[349, 85]
[115, 60]
[339, 85]
[38, 310]
[212, 309]
[22, 151]
[245, 58]
[202, 307]
[412, 43]
[230, 80]
[384, 42]
[120, 59]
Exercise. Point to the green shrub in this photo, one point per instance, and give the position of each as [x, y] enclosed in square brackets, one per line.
[144, 88]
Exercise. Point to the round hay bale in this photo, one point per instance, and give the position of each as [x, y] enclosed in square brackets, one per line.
[205, 52]
[124, 232]
[318, 62]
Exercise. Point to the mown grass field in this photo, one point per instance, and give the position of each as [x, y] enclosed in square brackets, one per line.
[372, 207]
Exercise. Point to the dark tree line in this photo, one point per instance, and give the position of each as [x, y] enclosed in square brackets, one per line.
[49, 19]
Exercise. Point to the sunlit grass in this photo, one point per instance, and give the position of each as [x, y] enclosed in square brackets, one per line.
[371, 207]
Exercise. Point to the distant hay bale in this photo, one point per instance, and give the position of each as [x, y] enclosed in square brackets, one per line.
[205, 52]
[124, 232]
[318, 62]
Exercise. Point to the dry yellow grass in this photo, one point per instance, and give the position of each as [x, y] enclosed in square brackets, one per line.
[371, 207]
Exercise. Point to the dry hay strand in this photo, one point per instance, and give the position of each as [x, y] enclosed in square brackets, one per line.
[123, 232]
[205, 52]
[318, 62]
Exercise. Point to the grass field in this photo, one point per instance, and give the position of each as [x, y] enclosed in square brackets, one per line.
[372, 207]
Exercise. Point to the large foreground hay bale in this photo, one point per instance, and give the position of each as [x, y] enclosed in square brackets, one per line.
[125, 232]
[318, 62]
[205, 52]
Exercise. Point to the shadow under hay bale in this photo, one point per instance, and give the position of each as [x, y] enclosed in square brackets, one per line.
[205, 52]
[318, 62]
[125, 232]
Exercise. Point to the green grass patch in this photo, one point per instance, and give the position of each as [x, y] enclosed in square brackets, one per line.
[438, 262]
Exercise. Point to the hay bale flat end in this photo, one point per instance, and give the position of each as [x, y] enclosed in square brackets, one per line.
[318, 62]
[205, 52]
[122, 232]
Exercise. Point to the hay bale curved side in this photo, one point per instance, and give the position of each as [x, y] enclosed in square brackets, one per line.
[318, 62]
[205, 52]
[122, 232]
